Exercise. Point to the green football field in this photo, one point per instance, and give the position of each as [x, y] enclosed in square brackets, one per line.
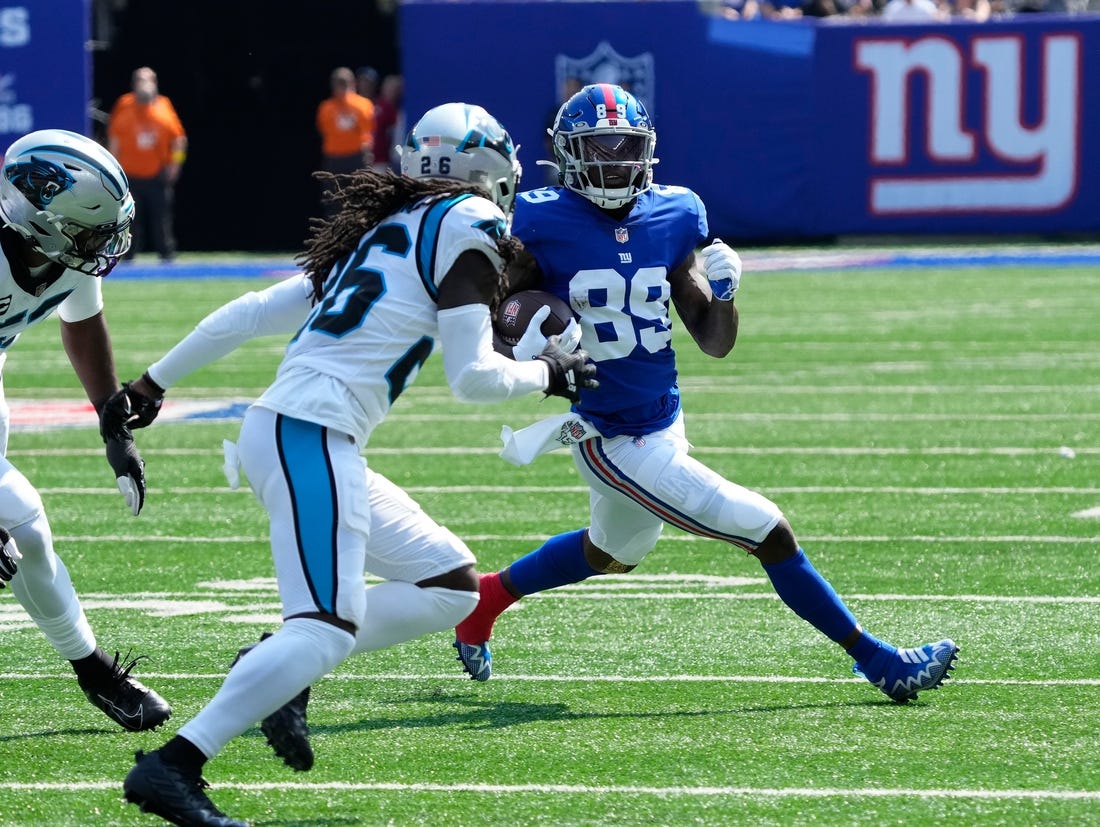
[932, 434]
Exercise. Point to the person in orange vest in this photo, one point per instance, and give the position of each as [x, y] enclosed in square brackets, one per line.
[345, 120]
[146, 136]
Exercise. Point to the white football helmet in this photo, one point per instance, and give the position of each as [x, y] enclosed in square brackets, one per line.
[465, 143]
[67, 196]
[603, 145]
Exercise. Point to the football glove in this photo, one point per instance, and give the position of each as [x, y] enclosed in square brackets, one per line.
[126, 408]
[129, 470]
[9, 556]
[722, 267]
[569, 372]
[532, 342]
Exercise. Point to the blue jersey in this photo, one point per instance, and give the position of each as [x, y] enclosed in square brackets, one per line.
[614, 274]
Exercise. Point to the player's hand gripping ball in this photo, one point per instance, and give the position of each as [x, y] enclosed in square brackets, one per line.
[525, 320]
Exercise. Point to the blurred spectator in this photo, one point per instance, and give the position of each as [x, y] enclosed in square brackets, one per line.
[912, 11]
[781, 9]
[145, 134]
[345, 121]
[366, 82]
[388, 120]
[739, 9]
[977, 11]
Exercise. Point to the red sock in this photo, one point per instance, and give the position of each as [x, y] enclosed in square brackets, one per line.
[478, 627]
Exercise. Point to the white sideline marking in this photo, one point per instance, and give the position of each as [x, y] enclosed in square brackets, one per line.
[585, 789]
[1087, 514]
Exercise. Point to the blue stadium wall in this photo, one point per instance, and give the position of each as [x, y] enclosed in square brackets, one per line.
[801, 130]
[794, 130]
[37, 92]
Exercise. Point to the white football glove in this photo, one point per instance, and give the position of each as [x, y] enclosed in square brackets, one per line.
[9, 556]
[722, 267]
[532, 342]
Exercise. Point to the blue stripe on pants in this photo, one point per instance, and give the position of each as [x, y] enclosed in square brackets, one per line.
[307, 467]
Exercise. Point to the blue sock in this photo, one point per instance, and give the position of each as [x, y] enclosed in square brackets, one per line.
[558, 561]
[810, 596]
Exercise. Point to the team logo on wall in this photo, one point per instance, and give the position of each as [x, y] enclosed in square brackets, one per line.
[605, 65]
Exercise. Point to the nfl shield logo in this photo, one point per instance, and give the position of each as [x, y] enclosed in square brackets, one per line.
[605, 65]
[621, 235]
[511, 312]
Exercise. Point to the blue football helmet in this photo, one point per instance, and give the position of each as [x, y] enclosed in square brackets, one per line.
[69, 198]
[463, 142]
[603, 143]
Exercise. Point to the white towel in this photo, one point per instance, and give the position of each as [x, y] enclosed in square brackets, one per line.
[522, 446]
[232, 466]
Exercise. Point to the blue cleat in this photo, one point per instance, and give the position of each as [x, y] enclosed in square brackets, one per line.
[904, 673]
[476, 659]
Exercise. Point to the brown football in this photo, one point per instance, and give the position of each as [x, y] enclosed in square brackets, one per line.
[515, 312]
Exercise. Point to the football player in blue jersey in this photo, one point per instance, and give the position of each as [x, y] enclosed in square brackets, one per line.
[65, 213]
[618, 248]
[406, 260]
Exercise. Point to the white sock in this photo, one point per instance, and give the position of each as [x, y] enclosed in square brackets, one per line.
[44, 589]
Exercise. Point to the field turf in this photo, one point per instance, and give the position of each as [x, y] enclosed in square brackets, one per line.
[910, 422]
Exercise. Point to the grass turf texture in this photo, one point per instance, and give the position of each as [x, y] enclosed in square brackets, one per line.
[909, 423]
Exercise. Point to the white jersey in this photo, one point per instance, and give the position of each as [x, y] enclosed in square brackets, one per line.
[26, 300]
[376, 322]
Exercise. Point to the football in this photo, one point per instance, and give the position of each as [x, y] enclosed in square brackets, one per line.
[515, 312]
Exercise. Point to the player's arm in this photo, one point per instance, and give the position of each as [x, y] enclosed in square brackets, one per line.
[523, 273]
[88, 346]
[475, 371]
[280, 309]
[711, 322]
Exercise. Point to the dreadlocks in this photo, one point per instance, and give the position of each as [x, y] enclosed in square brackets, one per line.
[364, 198]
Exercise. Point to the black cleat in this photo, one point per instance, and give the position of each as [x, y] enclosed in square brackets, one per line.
[286, 729]
[126, 701]
[287, 732]
[163, 790]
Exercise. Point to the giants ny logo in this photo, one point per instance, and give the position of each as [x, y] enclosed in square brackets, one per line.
[1014, 147]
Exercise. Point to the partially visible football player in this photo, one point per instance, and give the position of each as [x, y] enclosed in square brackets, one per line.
[65, 208]
[407, 259]
[636, 463]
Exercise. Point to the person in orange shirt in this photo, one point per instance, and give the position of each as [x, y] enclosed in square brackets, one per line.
[145, 134]
[346, 123]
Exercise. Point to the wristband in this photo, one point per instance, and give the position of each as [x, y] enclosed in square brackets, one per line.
[147, 379]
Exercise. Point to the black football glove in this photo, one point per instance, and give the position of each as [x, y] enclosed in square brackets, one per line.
[569, 372]
[125, 409]
[129, 470]
[9, 556]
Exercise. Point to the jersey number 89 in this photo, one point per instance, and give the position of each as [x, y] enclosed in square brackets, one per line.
[622, 314]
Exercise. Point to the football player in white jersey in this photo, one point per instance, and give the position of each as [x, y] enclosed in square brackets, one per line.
[618, 248]
[65, 208]
[407, 260]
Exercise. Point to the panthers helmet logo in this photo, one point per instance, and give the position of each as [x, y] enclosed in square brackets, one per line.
[39, 181]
